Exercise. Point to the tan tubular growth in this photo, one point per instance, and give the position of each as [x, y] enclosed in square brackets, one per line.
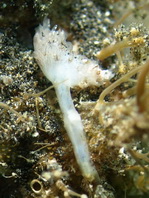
[117, 83]
[114, 85]
[128, 13]
[108, 51]
[18, 114]
[141, 87]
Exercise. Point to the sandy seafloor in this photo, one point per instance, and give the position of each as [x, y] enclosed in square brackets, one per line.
[36, 155]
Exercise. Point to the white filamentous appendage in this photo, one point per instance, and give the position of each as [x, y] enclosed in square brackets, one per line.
[65, 70]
